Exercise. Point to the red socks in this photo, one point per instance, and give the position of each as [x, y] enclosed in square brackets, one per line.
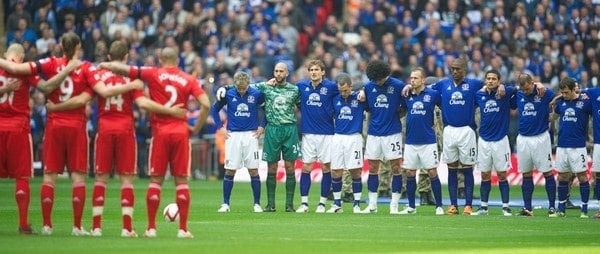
[127, 201]
[152, 203]
[183, 202]
[98, 204]
[22, 195]
[47, 200]
[78, 202]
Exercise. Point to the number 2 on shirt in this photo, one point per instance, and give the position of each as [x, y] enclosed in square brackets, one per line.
[173, 91]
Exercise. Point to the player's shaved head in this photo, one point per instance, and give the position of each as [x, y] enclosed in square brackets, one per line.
[15, 52]
[282, 66]
[15, 48]
[168, 56]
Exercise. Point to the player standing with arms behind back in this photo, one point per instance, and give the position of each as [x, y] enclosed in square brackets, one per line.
[384, 136]
[421, 150]
[170, 145]
[348, 143]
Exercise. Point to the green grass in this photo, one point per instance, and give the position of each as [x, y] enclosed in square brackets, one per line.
[242, 231]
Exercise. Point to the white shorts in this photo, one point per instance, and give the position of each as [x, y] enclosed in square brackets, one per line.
[459, 144]
[241, 150]
[596, 158]
[534, 152]
[493, 155]
[421, 156]
[572, 160]
[316, 147]
[384, 148]
[347, 152]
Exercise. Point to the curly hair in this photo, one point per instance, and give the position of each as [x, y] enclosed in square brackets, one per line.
[377, 70]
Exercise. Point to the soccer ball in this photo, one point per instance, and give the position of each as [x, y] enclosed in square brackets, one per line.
[171, 212]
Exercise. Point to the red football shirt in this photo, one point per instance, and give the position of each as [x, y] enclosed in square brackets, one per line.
[79, 81]
[116, 113]
[168, 86]
[14, 106]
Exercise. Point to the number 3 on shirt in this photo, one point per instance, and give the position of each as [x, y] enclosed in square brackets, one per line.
[66, 89]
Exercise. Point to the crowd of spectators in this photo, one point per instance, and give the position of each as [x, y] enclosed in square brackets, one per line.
[546, 38]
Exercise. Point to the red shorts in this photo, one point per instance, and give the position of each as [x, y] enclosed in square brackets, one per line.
[116, 149]
[65, 145]
[15, 155]
[171, 149]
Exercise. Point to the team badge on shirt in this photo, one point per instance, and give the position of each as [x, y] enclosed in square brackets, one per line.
[465, 87]
[251, 99]
[323, 90]
[427, 98]
[390, 90]
[579, 104]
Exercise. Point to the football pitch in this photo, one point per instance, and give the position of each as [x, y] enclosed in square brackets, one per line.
[242, 231]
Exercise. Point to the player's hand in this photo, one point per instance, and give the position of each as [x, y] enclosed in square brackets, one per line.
[178, 110]
[50, 107]
[12, 85]
[483, 88]
[271, 82]
[361, 96]
[406, 90]
[501, 91]
[104, 65]
[74, 64]
[221, 93]
[224, 131]
[259, 132]
[138, 84]
[541, 88]
[554, 100]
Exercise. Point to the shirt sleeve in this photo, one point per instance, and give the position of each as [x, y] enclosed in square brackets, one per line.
[42, 66]
[137, 93]
[214, 112]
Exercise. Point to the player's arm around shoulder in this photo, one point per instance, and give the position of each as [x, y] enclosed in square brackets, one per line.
[74, 102]
[54, 82]
[177, 110]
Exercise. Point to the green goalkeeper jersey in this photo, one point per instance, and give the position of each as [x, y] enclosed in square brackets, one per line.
[280, 101]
